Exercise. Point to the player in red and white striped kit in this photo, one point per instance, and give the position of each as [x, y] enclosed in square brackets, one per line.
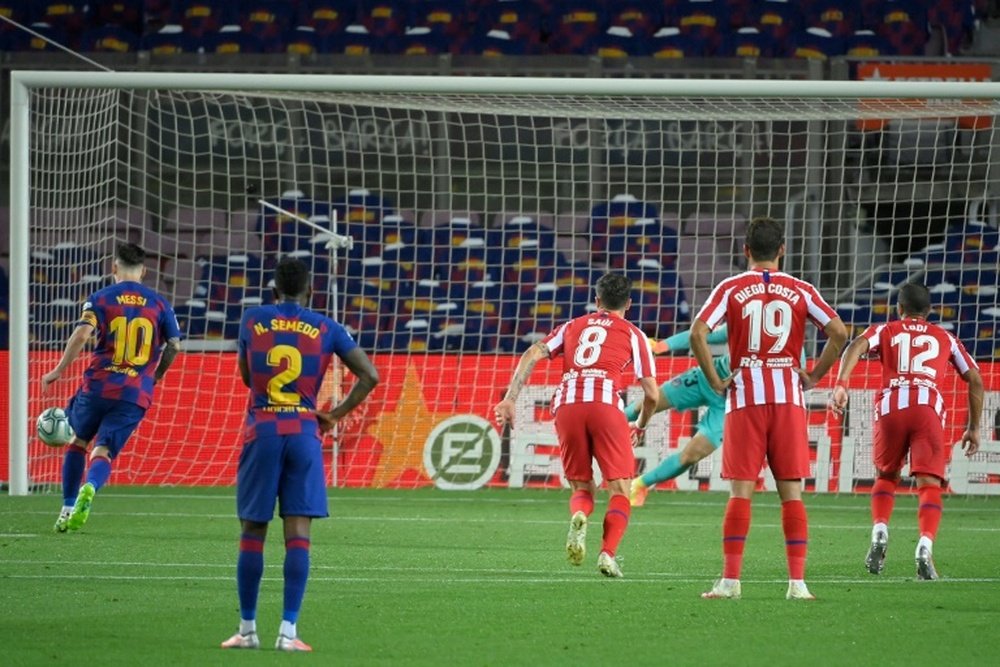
[766, 311]
[597, 349]
[909, 416]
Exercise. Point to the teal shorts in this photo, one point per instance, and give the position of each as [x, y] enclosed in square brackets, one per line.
[690, 391]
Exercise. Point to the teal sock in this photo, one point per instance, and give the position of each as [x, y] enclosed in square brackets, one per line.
[669, 468]
[632, 412]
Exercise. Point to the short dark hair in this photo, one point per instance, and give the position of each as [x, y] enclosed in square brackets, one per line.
[764, 238]
[614, 290]
[914, 299]
[130, 255]
[291, 277]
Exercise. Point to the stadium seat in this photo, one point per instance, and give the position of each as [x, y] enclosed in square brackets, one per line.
[642, 238]
[641, 18]
[423, 41]
[109, 39]
[778, 18]
[68, 17]
[839, 17]
[303, 41]
[672, 42]
[572, 24]
[488, 313]
[658, 302]
[169, 40]
[519, 20]
[127, 14]
[616, 42]
[282, 233]
[444, 17]
[268, 21]
[701, 22]
[206, 17]
[384, 19]
[574, 249]
[519, 231]
[903, 23]
[367, 311]
[230, 40]
[354, 40]
[609, 218]
[19, 40]
[437, 218]
[865, 43]
[327, 17]
[528, 266]
[747, 42]
[814, 44]
[539, 312]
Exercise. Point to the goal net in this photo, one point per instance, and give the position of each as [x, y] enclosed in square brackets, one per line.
[480, 214]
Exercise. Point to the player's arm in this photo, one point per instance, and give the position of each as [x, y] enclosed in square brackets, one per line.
[681, 341]
[167, 356]
[701, 351]
[367, 379]
[74, 346]
[650, 399]
[858, 348]
[504, 410]
[836, 336]
[970, 439]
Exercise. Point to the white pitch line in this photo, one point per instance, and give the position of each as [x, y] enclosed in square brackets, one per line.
[18, 534]
[557, 579]
[861, 527]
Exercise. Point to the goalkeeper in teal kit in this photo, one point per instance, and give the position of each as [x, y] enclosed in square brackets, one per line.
[688, 391]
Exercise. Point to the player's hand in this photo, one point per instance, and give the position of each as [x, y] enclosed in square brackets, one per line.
[838, 401]
[658, 346]
[49, 379]
[808, 381]
[636, 433]
[970, 441]
[720, 386]
[504, 412]
[326, 421]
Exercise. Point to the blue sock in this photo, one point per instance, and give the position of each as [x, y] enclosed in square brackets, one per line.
[100, 470]
[669, 468]
[249, 570]
[74, 461]
[296, 574]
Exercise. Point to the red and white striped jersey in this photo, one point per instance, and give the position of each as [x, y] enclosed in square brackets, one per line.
[914, 354]
[766, 312]
[596, 350]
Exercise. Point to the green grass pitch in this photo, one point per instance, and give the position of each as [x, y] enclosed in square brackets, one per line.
[448, 578]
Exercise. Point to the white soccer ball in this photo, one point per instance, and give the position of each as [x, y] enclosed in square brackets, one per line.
[53, 427]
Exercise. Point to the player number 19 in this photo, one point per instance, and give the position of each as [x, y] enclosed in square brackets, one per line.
[774, 318]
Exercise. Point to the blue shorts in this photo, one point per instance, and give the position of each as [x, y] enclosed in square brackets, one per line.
[690, 391]
[109, 420]
[283, 468]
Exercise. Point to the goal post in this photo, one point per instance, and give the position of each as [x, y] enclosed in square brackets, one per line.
[481, 210]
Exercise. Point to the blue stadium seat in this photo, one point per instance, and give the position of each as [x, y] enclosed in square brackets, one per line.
[572, 24]
[672, 42]
[448, 17]
[747, 42]
[68, 17]
[539, 312]
[617, 42]
[488, 313]
[205, 17]
[706, 22]
[778, 18]
[384, 19]
[642, 238]
[354, 40]
[229, 40]
[304, 41]
[169, 40]
[865, 43]
[423, 41]
[327, 17]
[981, 336]
[903, 23]
[641, 18]
[268, 21]
[839, 17]
[520, 20]
[658, 303]
[126, 14]
[368, 310]
[109, 39]
[19, 40]
[814, 44]
[610, 218]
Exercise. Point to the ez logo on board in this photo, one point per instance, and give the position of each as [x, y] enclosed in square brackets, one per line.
[462, 453]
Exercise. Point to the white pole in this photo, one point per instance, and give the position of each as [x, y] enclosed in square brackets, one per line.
[20, 200]
[501, 85]
[335, 314]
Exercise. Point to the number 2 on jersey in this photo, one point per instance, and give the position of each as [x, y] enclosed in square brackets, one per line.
[914, 363]
[276, 394]
[773, 318]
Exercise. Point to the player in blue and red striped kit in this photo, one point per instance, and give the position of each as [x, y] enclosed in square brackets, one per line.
[137, 341]
[284, 352]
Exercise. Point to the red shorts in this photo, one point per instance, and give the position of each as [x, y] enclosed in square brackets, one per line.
[776, 433]
[917, 430]
[594, 431]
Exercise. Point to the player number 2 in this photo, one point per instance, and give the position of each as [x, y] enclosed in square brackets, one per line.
[276, 356]
[588, 349]
[773, 319]
[133, 340]
[914, 363]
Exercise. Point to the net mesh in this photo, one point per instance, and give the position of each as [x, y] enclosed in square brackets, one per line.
[479, 222]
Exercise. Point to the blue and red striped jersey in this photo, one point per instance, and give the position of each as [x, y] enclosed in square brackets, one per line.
[288, 349]
[132, 323]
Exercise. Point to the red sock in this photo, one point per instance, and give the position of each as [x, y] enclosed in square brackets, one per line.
[735, 526]
[615, 523]
[883, 500]
[796, 526]
[929, 512]
[581, 501]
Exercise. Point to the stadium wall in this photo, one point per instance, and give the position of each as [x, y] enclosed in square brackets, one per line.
[420, 427]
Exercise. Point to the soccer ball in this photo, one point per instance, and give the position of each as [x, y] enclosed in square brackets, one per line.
[53, 427]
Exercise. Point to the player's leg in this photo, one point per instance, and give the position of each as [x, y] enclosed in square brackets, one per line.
[84, 423]
[302, 497]
[576, 456]
[927, 465]
[889, 448]
[119, 421]
[788, 458]
[741, 465]
[257, 479]
[705, 441]
[612, 446]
